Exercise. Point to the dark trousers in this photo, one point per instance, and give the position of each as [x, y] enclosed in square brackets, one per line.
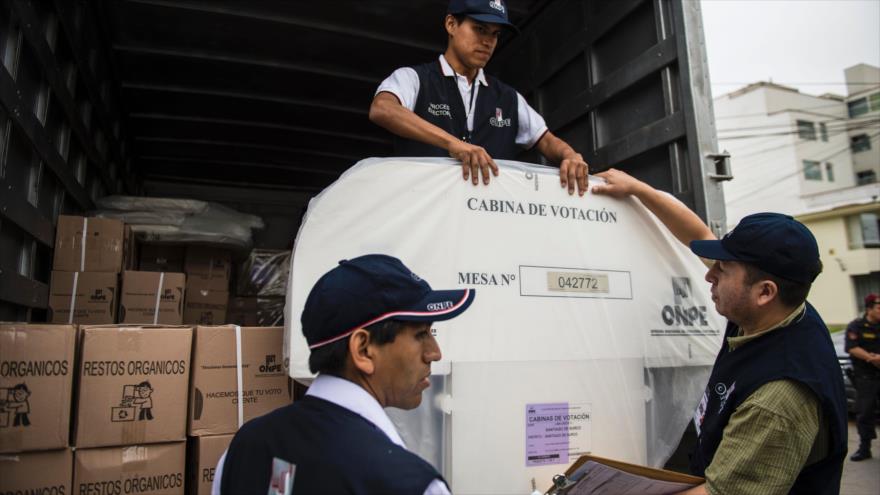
[146, 413]
[867, 393]
[21, 419]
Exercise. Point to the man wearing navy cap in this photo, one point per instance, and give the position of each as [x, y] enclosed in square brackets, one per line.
[772, 419]
[368, 325]
[863, 346]
[450, 107]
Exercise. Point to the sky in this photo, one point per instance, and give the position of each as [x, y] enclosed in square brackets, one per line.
[805, 44]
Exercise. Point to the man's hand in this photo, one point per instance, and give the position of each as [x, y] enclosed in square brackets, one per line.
[474, 161]
[618, 184]
[574, 171]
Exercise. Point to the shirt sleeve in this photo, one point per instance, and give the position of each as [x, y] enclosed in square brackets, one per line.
[766, 442]
[437, 487]
[531, 124]
[404, 84]
[853, 336]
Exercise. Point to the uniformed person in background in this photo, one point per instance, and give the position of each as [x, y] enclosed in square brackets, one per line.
[451, 107]
[863, 346]
[368, 326]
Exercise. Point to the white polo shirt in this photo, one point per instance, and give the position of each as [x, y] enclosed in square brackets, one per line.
[404, 84]
[346, 394]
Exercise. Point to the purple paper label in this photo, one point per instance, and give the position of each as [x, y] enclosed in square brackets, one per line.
[546, 434]
[555, 432]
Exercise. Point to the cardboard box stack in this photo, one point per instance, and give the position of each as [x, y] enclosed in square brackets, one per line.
[130, 415]
[217, 406]
[36, 385]
[207, 285]
[89, 254]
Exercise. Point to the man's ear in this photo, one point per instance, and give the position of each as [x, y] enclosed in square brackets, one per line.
[767, 292]
[360, 352]
[450, 23]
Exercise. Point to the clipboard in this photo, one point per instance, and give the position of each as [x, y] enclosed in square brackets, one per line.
[576, 479]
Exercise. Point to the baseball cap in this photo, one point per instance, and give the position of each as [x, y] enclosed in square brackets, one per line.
[368, 289]
[871, 300]
[775, 243]
[494, 11]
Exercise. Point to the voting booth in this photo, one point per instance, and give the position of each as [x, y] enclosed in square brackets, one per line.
[592, 330]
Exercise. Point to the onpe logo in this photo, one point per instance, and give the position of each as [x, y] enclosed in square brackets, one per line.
[683, 311]
[271, 366]
[98, 295]
[167, 295]
[497, 5]
[440, 306]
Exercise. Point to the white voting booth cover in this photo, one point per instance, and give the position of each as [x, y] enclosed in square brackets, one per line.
[592, 329]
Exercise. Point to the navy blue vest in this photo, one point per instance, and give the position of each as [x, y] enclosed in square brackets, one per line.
[334, 450]
[439, 102]
[801, 351]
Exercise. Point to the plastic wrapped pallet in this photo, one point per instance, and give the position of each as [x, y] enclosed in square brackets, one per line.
[264, 273]
[182, 221]
[592, 329]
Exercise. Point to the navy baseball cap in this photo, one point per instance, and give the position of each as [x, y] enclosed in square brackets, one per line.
[775, 243]
[494, 11]
[369, 289]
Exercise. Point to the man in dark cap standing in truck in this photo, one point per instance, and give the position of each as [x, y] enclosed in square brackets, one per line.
[451, 107]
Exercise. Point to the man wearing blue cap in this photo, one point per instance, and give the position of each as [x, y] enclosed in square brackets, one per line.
[368, 325]
[773, 417]
[450, 107]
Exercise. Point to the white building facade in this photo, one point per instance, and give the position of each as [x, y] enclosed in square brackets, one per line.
[816, 158]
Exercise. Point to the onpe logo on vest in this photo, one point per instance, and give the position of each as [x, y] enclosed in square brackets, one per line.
[683, 311]
[497, 5]
[498, 120]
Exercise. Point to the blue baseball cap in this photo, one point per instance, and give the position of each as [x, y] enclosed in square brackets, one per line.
[369, 289]
[775, 243]
[494, 11]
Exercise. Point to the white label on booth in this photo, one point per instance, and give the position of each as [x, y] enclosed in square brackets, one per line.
[556, 432]
[553, 281]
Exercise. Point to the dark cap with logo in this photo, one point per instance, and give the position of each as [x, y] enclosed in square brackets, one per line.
[775, 243]
[494, 11]
[369, 289]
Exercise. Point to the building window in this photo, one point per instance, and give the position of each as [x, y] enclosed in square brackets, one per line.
[864, 230]
[860, 143]
[806, 130]
[823, 131]
[874, 100]
[866, 177]
[829, 171]
[858, 107]
[812, 170]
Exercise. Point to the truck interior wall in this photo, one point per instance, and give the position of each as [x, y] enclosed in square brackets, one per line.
[61, 140]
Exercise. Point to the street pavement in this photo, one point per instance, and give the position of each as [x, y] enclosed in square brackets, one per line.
[860, 478]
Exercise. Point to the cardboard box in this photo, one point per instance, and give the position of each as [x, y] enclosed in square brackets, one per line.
[162, 258]
[49, 472]
[95, 301]
[88, 244]
[214, 387]
[205, 307]
[36, 384]
[242, 311]
[132, 381]
[143, 291]
[141, 469]
[202, 454]
[208, 268]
